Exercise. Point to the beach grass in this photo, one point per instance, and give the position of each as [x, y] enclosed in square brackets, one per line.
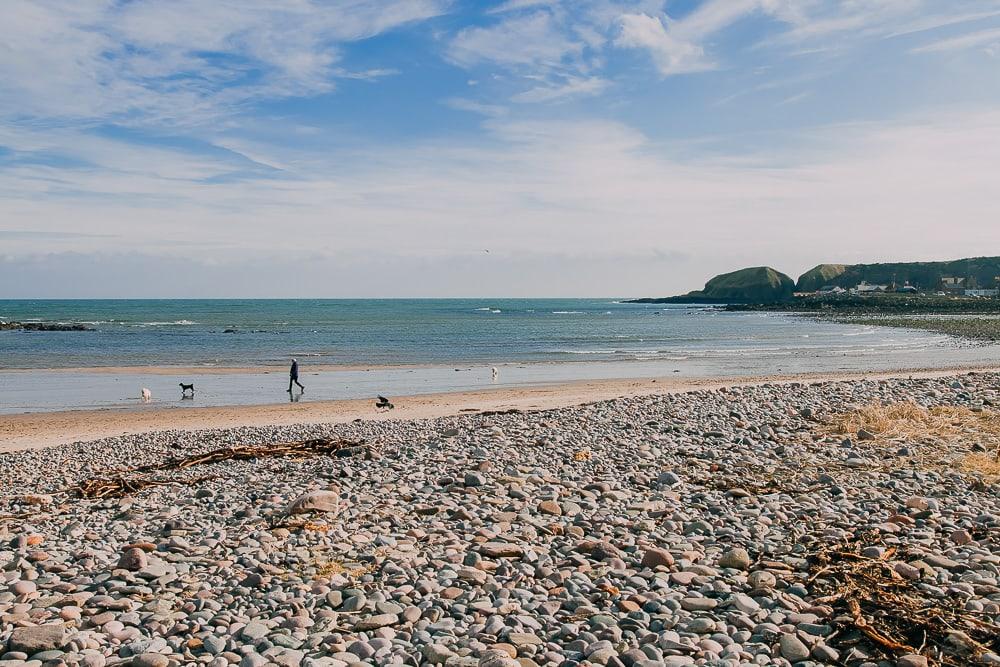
[949, 430]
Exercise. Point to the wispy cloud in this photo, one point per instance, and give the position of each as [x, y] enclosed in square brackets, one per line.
[572, 87]
[544, 184]
[183, 61]
[19, 234]
[794, 99]
[157, 129]
[932, 22]
[464, 104]
[980, 38]
[532, 40]
[672, 54]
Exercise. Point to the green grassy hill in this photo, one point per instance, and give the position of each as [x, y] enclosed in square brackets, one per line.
[979, 272]
[820, 276]
[759, 284]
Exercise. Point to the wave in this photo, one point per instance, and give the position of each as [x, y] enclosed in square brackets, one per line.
[180, 323]
[646, 353]
[567, 312]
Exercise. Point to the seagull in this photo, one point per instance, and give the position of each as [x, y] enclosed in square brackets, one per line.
[383, 403]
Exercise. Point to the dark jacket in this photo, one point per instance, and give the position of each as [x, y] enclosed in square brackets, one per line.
[294, 372]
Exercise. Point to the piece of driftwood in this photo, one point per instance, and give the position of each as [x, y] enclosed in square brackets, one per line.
[893, 614]
[128, 484]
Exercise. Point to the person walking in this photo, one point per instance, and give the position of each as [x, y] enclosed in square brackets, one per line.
[293, 376]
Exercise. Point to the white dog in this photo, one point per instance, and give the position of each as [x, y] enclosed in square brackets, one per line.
[147, 395]
[496, 372]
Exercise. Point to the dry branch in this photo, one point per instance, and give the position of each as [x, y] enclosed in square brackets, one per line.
[896, 616]
[117, 487]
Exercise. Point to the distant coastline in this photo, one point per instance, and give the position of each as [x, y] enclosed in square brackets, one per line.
[960, 298]
[763, 286]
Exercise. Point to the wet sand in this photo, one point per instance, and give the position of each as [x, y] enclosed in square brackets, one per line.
[35, 430]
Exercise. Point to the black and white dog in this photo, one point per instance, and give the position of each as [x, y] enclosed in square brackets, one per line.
[185, 388]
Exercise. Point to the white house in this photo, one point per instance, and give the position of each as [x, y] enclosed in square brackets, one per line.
[865, 288]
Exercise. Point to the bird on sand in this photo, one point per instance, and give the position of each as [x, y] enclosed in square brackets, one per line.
[383, 403]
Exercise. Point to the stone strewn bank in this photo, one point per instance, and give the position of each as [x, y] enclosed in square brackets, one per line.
[697, 529]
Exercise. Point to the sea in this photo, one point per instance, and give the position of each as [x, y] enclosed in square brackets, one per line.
[238, 351]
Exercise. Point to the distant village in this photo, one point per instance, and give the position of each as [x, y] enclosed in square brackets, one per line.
[948, 286]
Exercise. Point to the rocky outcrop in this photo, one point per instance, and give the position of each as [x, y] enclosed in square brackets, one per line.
[42, 326]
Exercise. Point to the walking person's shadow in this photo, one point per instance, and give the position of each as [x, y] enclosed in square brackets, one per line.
[293, 397]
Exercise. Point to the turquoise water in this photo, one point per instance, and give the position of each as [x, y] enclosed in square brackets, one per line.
[357, 348]
[390, 332]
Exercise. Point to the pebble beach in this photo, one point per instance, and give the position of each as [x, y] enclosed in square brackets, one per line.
[723, 527]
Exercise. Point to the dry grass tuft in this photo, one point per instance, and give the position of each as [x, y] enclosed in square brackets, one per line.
[582, 455]
[909, 420]
[983, 464]
[913, 421]
[946, 429]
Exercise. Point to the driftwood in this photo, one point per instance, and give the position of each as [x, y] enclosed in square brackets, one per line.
[124, 485]
[893, 614]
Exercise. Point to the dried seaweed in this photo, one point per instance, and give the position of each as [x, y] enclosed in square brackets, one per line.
[128, 484]
[495, 413]
[892, 614]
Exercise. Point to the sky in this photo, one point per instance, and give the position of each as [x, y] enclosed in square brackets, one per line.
[437, 148]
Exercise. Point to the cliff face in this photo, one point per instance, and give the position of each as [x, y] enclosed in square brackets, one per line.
[977, 272]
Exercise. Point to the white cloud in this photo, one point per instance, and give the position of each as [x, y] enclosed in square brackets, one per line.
[594, 189]
[980, 38]
[182, 61]
[534, 40]
[932, 22]
[672, 54]
[516, 5]
[553, 48]
[571, 87]
[679, 45]
[463, 104]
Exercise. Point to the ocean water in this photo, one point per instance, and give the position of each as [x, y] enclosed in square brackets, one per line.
[248, 333]
[355, 348]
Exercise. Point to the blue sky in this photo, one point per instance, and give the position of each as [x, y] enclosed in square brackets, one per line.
[594, 147]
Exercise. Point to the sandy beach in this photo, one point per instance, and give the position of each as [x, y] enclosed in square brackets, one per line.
[28, 431]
